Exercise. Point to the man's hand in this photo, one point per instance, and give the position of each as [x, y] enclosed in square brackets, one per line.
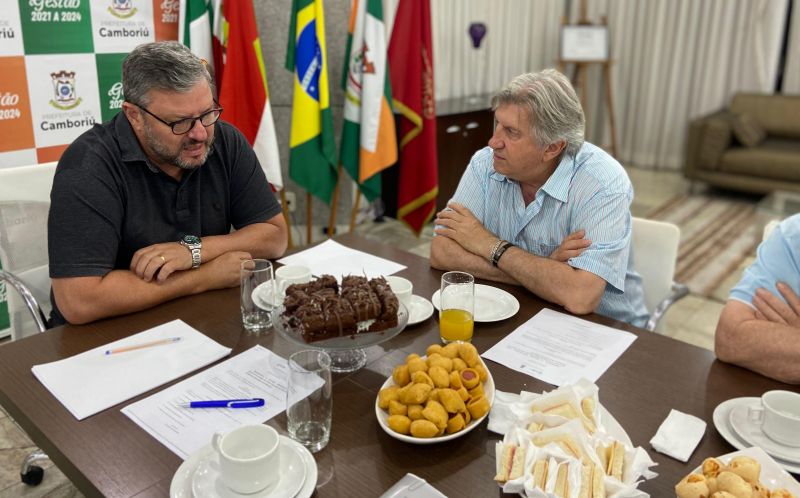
[462, 226]
[224, 270]
[162, 259]
[571, 247]
[770, 307]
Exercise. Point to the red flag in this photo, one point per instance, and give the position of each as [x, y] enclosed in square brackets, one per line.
[243, 92]
[411, 49]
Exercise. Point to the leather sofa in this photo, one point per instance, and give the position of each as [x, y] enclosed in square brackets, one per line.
[752, 146]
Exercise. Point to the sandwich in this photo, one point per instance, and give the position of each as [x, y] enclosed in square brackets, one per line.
[566, 443]
[567, 410]
[592, 485]
[612, 458]
[539, 471]
[562, 483]
[535, 427]
[512, 463]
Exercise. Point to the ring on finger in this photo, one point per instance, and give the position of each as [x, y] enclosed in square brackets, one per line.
[163, 259]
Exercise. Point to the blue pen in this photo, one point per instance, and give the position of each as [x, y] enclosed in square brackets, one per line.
[227, 403]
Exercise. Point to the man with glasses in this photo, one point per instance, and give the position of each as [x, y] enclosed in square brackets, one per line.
[143, 205]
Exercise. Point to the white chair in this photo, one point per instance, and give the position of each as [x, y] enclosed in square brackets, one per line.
[655, 252]
[769, 227]
[24, 206]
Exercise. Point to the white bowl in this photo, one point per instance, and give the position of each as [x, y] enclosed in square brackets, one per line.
[383, 415]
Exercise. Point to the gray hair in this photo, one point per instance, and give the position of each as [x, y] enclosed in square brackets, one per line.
[166, 65]
[553, 107]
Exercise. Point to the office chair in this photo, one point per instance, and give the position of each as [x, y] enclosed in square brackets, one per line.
[24, 206]
[655, 249]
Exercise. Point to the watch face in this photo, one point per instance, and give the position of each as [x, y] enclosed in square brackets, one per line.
[191, 239]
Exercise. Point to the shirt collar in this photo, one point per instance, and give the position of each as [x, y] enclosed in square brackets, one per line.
[557, 186]
[128, 143]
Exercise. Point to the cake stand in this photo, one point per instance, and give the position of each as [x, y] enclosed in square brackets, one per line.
[346, 352]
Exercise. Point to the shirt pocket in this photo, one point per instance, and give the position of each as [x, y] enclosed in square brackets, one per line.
[544, 250]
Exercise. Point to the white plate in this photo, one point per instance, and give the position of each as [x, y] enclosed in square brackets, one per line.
[491, 304]
[181, 486]
[772, 475]
[419, 310]
[722, 423]
[265, 297]
[383, 416]
[752, 433]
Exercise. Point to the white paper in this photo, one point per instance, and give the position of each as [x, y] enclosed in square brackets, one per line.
[560, 349]
[92, 381]
[332, 258]
[255, 373]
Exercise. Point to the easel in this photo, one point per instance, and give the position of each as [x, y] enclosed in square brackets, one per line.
[580, 78]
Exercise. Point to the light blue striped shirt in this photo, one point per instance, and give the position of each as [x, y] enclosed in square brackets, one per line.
[590, 192]
[777, 260]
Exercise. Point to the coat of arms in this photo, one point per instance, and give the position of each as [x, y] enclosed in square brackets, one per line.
[64, 90]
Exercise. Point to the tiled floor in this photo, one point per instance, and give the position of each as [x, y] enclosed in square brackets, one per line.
[693, 319]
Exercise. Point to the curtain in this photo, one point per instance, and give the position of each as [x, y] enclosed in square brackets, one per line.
[791, 74]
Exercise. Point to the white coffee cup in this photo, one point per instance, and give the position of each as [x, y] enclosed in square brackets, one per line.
[402, 288]
[779, 416]
[291, 274]
[249, 458]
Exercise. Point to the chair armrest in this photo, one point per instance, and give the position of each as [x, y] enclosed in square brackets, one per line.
[27, 297]
[679, 291]
[707, 138]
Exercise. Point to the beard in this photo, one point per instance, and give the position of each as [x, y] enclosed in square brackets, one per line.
[164, 154]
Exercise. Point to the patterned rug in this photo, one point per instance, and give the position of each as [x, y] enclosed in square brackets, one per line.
[719, 236]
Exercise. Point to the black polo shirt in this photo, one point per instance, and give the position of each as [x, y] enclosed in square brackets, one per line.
[108, 201]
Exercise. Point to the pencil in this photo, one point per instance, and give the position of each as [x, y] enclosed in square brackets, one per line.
[134, 347]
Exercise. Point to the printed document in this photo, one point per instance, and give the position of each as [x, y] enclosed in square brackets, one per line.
[560, 349]
[90, 382]
[335, 259]
[255, 373]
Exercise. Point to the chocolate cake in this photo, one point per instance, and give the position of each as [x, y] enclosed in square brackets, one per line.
[319, 311]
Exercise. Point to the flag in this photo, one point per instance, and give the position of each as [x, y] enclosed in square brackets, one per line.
[243, 91]
[312, 158]
[195, 22]
[412, 49]
[369, 144]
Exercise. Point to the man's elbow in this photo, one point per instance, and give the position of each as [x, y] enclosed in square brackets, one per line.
[722, 344]
[583, 301]
[76, 312]
[437, 258]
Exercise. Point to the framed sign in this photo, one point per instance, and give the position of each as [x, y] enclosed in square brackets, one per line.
[584, 43]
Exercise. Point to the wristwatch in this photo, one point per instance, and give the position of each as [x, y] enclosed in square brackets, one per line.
[194, 244]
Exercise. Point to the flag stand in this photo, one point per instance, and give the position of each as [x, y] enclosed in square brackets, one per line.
[355, 211]
[334, 203]
[285, 210]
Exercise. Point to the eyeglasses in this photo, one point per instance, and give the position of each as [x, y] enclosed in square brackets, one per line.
[183, 126]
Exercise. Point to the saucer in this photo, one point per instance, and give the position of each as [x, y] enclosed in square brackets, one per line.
[182, 482]
[722, 423]
[751, 432]
[265, 296]
[491, 304]
[419, 310]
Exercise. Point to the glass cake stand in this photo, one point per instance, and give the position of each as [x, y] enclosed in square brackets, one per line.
[346, 352]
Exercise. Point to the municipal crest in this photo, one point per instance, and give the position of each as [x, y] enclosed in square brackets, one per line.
[122, 8]
[65, 97]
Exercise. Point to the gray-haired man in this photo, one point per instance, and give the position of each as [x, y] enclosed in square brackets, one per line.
[143, 205]
[528, 202]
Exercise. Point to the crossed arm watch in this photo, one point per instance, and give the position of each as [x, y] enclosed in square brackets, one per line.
[194, 244]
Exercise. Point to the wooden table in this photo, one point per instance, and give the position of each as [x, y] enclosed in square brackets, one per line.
[108, 455]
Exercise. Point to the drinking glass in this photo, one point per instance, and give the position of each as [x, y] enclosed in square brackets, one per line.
[457, 307]
[308, 399]
[255, 273]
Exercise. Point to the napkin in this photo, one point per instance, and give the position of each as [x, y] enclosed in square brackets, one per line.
[678, 435]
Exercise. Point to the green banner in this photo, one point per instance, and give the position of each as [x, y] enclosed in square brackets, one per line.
[60, 27]
[109, 83]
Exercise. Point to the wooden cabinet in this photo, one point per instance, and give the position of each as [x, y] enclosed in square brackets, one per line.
[463, 126]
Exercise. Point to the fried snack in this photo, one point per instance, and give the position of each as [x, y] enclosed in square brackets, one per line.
[451, 401]
[455, 423]
[441, 361]
[399, 423]
[459, 364]
[747, 468]
[424, 428]
[421, 378]
[781, 493]
[468, 353]
[463, 393]
[451, 350]
[386, 395]
[483, 374]
[692, 486]
[467, 416]
[440, 376]
[476, 391]
[415, 394]
[759, 491]
[415, 412]
[722, 494]
[562, 483]
[417, 365]
[397, 408]
[433, 349]
[734, 484]
[478, 407]
[455, 379]
[470, 378]
[400, 375]
[412, 356]
[539, 471]
[711, 467]
[434, 395]
[435, 412]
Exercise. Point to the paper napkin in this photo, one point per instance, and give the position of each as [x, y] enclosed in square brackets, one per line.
[678, 435]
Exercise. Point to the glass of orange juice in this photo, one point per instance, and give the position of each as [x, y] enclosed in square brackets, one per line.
[456, 307]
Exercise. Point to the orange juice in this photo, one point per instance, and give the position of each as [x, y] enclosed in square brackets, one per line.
[455, 325]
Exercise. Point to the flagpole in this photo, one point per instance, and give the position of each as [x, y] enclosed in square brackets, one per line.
[355, 211]
[334, 203]
[285, 210]
[308, 218]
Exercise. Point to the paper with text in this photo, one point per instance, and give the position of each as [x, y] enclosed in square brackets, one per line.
[560, 349]
[92, 381]
[255, 373]
[335, 259]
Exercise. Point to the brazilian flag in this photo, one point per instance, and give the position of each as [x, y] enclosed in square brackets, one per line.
[312, 160]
